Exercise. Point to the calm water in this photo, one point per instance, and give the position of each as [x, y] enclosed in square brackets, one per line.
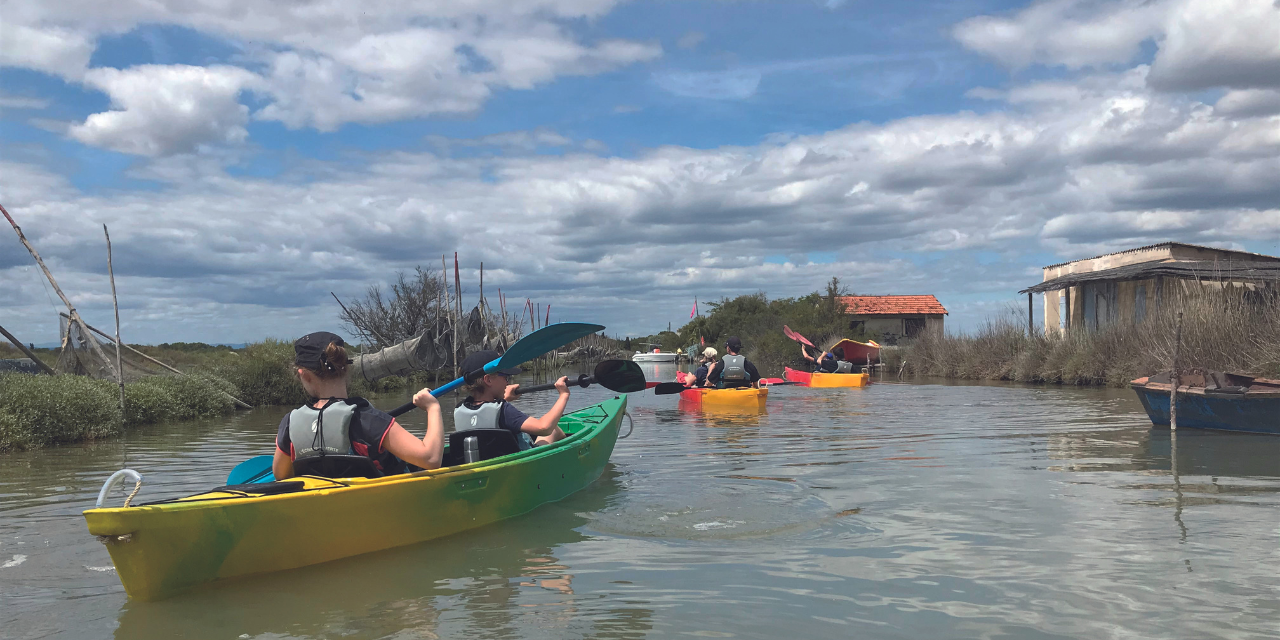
[894, 511]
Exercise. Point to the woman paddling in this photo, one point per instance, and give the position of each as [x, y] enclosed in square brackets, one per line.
[331, 424]
[488, 404]
[829, 362]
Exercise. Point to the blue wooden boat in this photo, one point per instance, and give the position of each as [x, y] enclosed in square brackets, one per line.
[1214, 400]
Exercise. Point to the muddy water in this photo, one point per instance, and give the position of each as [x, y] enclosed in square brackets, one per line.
[894, 511]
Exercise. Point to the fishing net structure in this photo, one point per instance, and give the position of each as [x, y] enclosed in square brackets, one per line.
[431, 350]
[79, 357]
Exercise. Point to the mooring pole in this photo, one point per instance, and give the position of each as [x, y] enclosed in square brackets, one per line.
[115, 304]
[1173, 378]
[1031, 328]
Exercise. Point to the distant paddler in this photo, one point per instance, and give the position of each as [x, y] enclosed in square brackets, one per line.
[733, 370]
[829, 361]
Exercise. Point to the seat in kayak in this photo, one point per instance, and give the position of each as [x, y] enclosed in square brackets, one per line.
[493, 443]
[337, 466]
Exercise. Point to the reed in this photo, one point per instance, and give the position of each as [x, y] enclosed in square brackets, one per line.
[1222, 330]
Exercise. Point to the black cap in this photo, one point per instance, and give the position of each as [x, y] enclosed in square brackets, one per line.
[473, 365]
[733, 343]
[308, 351]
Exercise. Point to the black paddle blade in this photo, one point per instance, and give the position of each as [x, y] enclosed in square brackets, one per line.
[623, 376]
[668, 388]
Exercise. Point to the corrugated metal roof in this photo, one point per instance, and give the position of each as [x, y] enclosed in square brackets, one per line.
[892, 305]
[1215, 270]
[1167, 244]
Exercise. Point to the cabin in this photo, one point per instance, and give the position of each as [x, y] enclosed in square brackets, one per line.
[1127, 285]
[893, 318]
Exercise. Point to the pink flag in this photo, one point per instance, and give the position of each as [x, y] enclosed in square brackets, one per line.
[694, 312]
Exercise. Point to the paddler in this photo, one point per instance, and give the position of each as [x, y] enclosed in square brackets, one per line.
[829, 362]
[333, 424]
[733, 370]
[488, 405]
[704, 367]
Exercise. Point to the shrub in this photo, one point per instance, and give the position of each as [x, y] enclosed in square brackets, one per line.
[40, 410]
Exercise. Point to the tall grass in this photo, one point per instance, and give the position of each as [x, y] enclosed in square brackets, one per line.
[1221, 330]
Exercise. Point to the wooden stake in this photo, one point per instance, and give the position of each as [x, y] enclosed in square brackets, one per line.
[1031, 329]
[23, 348]
[1173, 378]
[115, 304]
[74, 315]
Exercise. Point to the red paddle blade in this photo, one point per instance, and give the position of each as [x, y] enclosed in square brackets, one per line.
[795, 336]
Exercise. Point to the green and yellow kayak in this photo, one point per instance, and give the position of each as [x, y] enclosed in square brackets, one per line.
[163, 548]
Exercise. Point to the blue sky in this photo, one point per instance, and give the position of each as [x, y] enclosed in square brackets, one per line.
[615, 159]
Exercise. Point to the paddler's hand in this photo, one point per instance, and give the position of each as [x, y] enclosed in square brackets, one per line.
[512, 392]
[424, 400]
[562, 385]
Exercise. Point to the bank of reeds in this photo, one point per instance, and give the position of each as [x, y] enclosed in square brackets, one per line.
[1222, 330]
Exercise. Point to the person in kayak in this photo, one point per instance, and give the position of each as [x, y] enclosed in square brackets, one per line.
[733, 370]
[488, 404]
[829, 362]
[708, 360]
[333, 424]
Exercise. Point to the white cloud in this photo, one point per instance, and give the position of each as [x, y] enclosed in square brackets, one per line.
[1249, 102]
[1072, 33]
[1220, 43]
[322, 64]
[161, 110]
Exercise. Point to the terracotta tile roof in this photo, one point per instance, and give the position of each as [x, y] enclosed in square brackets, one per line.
[892, 305]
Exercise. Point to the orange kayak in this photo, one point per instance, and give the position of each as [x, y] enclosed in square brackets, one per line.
[827, 380]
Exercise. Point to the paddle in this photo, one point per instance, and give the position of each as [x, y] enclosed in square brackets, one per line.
[548, 338]
[801, 339]
[622, 376]
[255, 469]
[668, 388]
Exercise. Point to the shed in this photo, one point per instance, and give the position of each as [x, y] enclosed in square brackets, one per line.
[1094, 292]
[894, 317]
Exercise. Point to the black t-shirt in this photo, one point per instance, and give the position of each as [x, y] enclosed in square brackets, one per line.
[827, 365]
[368, 428]
[511, 418]
[701, 374]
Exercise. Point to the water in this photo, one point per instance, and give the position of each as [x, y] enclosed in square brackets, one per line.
[894, 511]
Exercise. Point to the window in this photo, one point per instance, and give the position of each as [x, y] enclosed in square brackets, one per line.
[913, 327]
[857, 325]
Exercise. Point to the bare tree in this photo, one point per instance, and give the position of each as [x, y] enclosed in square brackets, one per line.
[410, 308]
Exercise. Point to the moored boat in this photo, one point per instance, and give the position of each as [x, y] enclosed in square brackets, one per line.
[826, 380]
[1221, 401]
[859, 353]
[166, 547]
[743, 397]
[655, 356]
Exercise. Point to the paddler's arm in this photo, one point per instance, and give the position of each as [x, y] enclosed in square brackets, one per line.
[550, 421]
[281, 465]
[806, 355]
[427, 452]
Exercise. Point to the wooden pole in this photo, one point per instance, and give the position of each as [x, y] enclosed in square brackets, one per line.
[1067, 323]
[153, 360]
[74, 315]
[27, 352]
[115, 304]
[1173, 378]
[1031, 329]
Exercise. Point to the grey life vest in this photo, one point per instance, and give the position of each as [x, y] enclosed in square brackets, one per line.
[487, 415]
[319, 432]
[844, 366]
[735, 369]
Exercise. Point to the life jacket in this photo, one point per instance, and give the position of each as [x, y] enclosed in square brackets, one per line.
[487, 415]
[316, 433]
[734, 370]
[844, 366]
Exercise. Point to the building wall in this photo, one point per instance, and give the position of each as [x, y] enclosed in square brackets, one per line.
[890, 330]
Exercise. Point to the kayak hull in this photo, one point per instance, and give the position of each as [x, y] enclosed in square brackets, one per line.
[827, 380]
[163, 549]
[746, 397]
[859, 352]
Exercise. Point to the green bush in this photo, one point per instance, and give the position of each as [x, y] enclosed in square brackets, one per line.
[264, 374]
[40, 410]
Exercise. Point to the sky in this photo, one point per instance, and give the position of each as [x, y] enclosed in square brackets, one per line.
[614, 159]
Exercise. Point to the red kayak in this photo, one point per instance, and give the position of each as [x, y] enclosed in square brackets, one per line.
[858, 352]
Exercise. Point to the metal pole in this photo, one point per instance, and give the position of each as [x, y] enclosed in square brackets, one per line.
[115, 304]
[23, 348]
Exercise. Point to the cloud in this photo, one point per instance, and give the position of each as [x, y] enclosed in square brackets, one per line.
[1220, 43]
[691, 39]
[162, 110]
[1249, 102]
[737, 84]
[1072, 33]
[319, 65]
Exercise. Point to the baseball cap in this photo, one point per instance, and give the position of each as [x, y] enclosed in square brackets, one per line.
[473, 365]
[308, 351]
[733, 343]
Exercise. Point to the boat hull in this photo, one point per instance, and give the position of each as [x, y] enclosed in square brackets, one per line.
[1223, 412]
[827, 380]
[858, 352]
[745, 398]
[654, 357]
[163, 549]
